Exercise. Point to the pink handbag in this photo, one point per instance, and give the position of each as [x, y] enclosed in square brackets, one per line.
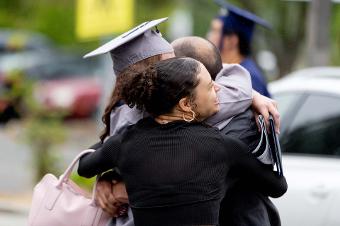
[60, 202]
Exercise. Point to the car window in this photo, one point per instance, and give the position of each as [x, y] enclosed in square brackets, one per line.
[315, 128]
[285, 101]
[287, 105]
[64, 69]
[316, 108]
[22, 60]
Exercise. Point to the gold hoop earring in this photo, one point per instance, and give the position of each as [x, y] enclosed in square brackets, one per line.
[191, 119]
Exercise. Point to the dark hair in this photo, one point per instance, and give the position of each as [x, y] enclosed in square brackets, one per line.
[210, 58]
[243, 45]
[116, 93]
[159, 88]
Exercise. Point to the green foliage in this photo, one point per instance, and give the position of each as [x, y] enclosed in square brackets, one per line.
[19, 91]
[54, 18]
[43, 134]
[288, 37]
[11, 12]
[57, 20]
[151, 9]
[203, 11]
[43, 129]
[335, 34]
[83, 182]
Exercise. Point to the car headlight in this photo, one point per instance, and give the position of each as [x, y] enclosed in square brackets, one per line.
[62, 97]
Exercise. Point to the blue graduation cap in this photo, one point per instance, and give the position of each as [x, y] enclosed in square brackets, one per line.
[240, 21]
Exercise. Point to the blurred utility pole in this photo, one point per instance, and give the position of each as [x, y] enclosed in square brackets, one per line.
[318, 33]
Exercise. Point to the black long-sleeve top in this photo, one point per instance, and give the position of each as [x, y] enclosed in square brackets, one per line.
[176, 173]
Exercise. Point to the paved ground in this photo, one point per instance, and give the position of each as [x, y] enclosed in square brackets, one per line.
[14, 209]
[16, 170]
[13, 219]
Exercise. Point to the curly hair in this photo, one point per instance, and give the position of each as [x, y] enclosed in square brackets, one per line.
[159, 88]
[116, 93]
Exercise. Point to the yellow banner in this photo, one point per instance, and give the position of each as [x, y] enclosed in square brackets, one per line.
[96, 18]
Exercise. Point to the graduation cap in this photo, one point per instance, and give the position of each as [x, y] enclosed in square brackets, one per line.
[137, 44]
[240, 21]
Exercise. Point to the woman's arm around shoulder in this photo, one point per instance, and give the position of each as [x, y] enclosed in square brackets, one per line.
[103, 159]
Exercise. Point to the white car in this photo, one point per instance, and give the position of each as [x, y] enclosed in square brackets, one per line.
[309, 103]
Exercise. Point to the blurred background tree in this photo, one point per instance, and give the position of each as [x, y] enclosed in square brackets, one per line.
[288, 29]
[335, 34]
[43, 134]
[53, 18]
[43, 129]
[286, 40]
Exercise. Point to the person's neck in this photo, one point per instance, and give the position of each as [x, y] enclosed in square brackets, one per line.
[166, 118]
[175, 115]
[232, 57]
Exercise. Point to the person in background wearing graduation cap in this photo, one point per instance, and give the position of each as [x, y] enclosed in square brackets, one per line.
[232, 33]
[145, 48]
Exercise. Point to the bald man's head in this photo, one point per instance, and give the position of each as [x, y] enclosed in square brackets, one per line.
[200, 49]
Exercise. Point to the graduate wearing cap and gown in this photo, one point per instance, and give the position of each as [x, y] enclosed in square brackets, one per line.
[232, 33]
[143, 42]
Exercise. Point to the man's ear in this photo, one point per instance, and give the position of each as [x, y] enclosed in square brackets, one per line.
[184, 104]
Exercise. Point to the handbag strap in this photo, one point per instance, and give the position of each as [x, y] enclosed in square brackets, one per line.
[66, 175]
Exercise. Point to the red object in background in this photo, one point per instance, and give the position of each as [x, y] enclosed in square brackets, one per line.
[63, 81]
[3, 102]
[79, 97]
[3, 105]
